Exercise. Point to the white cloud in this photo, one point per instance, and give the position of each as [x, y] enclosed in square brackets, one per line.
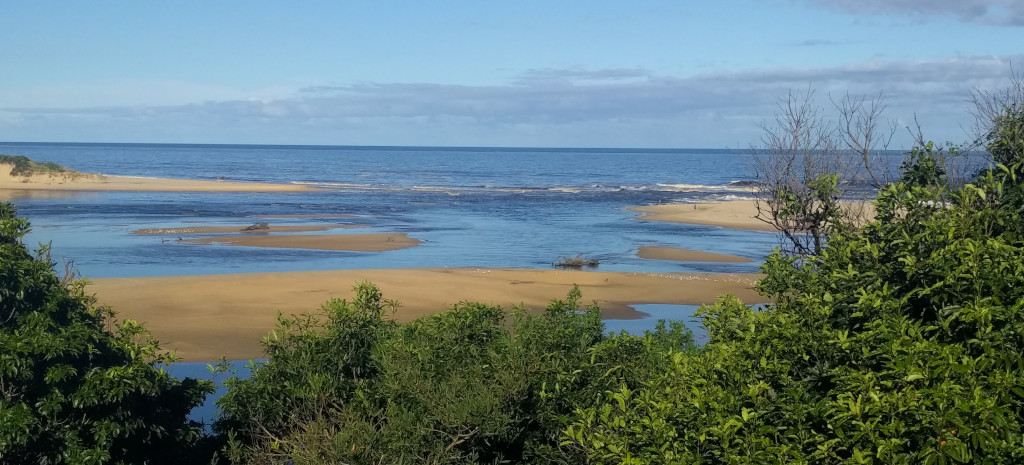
[573, 107]
[998, 12]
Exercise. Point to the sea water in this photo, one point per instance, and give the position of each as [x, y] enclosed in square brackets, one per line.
[472, 207]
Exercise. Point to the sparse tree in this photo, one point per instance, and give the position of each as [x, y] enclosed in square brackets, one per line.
[798, 168]
[806, 164]
[999, 121]
[860, 131]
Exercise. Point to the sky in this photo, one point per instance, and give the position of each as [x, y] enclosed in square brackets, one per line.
[524, 73]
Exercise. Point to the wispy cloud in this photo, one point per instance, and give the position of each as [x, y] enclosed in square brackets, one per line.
[998, 12]
[815, 43]
[575, 107]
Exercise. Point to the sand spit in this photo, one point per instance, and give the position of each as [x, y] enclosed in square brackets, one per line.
[242, 229]
[736, 214]
[309, 215]
[686, 255]
[212, 316]
[75, 181]
[377, 242]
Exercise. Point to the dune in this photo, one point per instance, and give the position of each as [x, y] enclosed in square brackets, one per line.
[207, 317]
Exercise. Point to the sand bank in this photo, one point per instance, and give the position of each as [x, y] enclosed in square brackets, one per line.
[736, 214]
[309, 215]
[377, 242]
[75, 181]
[686, 255]
[242, 230]
[207, 317]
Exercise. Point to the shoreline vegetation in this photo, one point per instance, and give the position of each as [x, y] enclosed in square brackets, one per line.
[53, 177]
[206, 317]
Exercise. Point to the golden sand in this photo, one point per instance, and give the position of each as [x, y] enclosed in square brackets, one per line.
[686, 255]
[736, 214]
[208, 317]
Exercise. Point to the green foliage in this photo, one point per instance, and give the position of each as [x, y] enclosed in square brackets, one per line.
[75, 387]
[899, 343]
[1005, 142]
[925, 166]
[24, 166]
[470, 385]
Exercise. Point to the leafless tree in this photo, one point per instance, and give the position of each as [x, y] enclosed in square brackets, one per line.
[795, 167]
[859, 128]
[999, 120]
[805, 164]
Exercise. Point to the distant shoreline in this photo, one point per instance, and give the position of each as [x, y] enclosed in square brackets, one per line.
[76, 181]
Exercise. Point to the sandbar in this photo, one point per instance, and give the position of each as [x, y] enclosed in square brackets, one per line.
[204, 318]
[309, 215]
[376, 242]
[735, 214]
[687, 255]
[241, 229]
[75, 181]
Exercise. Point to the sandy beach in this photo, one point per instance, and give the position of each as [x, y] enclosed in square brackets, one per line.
[377, 242]
[686, 255]
[208, 317]
[75, 181]
[736, 214]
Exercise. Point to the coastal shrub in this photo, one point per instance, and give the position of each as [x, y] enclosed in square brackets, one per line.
[75, 385]
[899, 343]
[474, 384]
[24, 166]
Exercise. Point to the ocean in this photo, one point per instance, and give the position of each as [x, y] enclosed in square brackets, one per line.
[472, 207]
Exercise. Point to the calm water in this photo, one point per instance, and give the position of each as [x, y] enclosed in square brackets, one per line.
[473, 207]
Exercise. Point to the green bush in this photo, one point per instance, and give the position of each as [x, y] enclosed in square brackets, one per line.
[471, 385]
[74, 386]
[900, 343]
[24, 166]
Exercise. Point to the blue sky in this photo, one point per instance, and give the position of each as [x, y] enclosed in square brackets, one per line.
[475, 73]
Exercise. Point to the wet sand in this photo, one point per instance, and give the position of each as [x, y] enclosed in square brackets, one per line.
[377, 242]
[242, 230]
[686, 255]
[208, 317]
